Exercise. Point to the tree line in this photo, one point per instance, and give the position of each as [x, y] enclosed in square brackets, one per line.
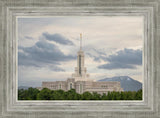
[47, 94]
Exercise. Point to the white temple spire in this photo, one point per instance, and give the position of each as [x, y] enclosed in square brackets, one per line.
[80, 41]
[80, 70]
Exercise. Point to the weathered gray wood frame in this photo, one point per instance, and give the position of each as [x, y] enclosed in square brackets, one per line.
[10, 107]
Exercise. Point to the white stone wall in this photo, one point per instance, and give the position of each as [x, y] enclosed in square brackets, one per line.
[83, 86]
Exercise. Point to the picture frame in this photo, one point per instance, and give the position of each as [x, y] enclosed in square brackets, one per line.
[11, 107]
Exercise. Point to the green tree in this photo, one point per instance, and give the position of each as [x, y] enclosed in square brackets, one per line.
[104, 97]
[44, 94]
[57, 95]
[109, 95]
[32, 93]
[122, 95]
[71, 95]
[138, 95]
[47, 94]
[29, 94]
[21, 95]
[87, 96]
[96, 96]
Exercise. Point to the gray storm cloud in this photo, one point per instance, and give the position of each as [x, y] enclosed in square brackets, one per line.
[127, 58]
[58, 38]
[42, 54]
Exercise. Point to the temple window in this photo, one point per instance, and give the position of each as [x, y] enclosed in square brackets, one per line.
[80, 88]
[60, 86]
[71, 86]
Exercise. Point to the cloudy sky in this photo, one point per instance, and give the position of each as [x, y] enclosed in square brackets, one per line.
[47, 47]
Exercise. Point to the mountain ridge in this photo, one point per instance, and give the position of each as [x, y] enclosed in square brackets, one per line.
[127, 83]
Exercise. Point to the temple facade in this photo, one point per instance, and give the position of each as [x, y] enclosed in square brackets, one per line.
[80, 80]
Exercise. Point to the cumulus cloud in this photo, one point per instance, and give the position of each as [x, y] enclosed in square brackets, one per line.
[58, 38]
[127, 58]
[42, 54]
[96, 54]
[95, 58]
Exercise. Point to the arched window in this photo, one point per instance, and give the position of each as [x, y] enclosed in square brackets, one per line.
[70, 85]
[80, 65]
[80, 88]
[60, 86]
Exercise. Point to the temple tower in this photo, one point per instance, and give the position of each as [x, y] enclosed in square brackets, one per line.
[80, 70]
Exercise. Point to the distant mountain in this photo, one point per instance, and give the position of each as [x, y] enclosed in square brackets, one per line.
[127, 83]
[23, 87]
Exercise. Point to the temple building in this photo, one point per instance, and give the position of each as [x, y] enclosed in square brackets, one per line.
[80, 80]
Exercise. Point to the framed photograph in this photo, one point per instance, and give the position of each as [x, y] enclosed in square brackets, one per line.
[79, 59]
[104, 69]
